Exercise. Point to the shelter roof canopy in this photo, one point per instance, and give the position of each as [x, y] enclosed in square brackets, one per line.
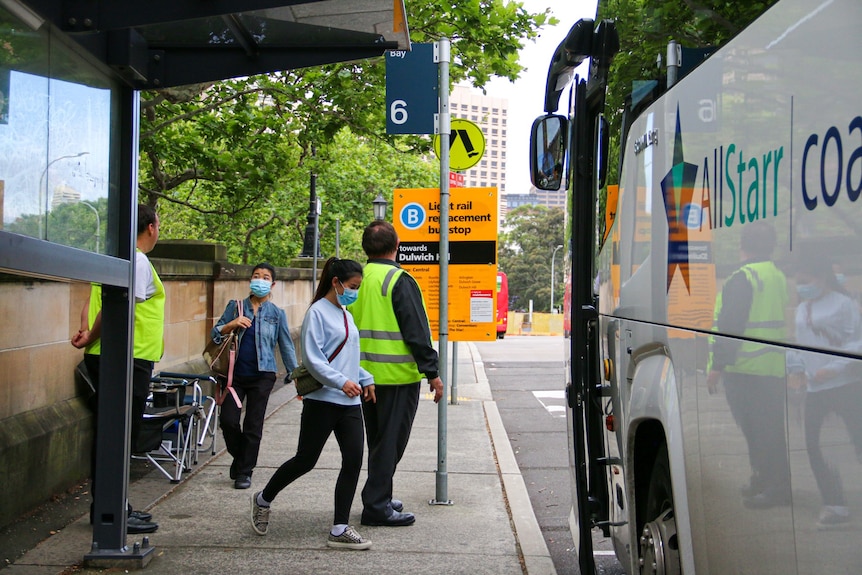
[163, 43]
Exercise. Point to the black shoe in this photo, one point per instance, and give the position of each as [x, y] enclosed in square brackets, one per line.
[142, 515]
[135, 525]
[397, 505]
[242, 482]
[395, 520]
[233, 470]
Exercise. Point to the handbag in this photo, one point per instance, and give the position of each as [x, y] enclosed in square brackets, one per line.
[220, 358]
[302, 378]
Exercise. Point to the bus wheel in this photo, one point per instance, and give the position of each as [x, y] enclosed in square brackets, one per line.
[659, 546]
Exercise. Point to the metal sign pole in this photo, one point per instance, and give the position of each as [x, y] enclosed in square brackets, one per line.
[453, 398]
[316, 234]
[442, 478]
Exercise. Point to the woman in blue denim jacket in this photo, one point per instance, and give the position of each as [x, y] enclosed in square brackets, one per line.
[261, 326]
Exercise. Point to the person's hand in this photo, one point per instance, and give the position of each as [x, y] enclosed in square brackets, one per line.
[81, 339]
[796, 381]
[712, 381]
[436, 386]
[369, 393]
[351, 389]
[824, 374]
[240, 322]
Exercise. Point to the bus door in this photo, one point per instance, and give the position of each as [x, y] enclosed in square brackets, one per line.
[588, 162]
[585, 174]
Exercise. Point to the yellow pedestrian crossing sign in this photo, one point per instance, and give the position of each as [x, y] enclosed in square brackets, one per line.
[466, 144]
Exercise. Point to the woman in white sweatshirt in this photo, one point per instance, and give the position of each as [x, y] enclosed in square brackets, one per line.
[827, 318]
[330, 352]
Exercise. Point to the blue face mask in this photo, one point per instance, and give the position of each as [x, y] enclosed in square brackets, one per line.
[348, 297]
[260, 287]
[841, 279]
[808, 291]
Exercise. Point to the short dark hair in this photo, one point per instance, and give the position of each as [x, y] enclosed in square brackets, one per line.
[336, 268]
[146, 216]
[265, 266]
[758, 239]
[379, 239]
[811, 260]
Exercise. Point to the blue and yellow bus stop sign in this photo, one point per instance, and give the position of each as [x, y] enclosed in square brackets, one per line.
[466, 144]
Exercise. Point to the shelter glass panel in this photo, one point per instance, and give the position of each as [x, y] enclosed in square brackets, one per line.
[56, 137]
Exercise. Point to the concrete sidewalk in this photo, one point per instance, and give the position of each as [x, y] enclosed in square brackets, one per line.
[205, 523]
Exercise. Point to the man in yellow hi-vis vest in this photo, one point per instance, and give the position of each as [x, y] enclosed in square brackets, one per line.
[750, 311]
[149, 339]
[395, 346]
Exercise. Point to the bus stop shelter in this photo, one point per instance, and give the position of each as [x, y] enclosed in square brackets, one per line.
[82, 63]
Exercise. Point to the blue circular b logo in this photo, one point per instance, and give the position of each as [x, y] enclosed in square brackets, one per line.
[412, 216]
[692, 216]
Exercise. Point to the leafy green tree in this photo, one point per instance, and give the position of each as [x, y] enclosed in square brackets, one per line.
[72, 224]
[525, 252]
[646, 26]
[231, 161]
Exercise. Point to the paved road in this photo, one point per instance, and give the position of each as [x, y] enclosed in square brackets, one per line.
[527, 381]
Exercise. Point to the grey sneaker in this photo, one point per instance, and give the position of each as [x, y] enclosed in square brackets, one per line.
[350, 539]
[831, 515]
[259, 516]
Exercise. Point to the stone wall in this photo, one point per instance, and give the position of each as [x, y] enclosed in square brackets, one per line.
[45, 427]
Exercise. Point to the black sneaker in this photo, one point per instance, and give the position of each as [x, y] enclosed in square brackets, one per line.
[135, 525]
[242, 482]
[142, 515]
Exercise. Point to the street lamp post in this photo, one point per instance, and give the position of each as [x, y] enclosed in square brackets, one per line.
[552, 275]
[310, 246]
[98, 221]
[379, 204]
[43, 178]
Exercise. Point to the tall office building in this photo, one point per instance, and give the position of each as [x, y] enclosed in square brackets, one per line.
[549, 198]
[491, 115]
[64, 194]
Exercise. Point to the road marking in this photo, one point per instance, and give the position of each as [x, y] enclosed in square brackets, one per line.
[554, 401]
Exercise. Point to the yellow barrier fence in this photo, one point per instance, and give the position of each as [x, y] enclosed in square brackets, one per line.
[541, 324]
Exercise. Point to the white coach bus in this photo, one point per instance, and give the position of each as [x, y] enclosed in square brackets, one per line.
[714, 369]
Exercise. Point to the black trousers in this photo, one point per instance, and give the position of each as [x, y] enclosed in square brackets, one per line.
[319, 420]
[142, 372]
[243, 441]
[758, 404]
[388, 424]
[845, 401]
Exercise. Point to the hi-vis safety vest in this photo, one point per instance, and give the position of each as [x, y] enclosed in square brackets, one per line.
[765, 321]
[149, 341]
[382, 349]
[93, 310]
[150, 323]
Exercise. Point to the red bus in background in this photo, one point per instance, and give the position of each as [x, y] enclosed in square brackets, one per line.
[502, 304]
[567, 307]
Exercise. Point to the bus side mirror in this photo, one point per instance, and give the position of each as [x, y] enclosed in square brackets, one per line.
[548, 151]
[574, 49]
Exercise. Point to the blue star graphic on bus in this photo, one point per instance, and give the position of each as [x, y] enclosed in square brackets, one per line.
[677, 190]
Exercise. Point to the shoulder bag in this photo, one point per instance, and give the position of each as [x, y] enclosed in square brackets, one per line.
[302, 378]
[220, 358]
